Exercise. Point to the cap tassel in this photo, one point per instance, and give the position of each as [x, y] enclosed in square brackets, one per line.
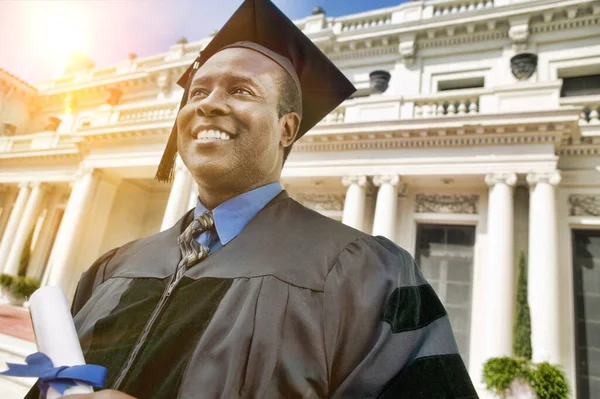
[165, 171]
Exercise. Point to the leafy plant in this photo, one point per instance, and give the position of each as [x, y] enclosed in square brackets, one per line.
[546, 380]
[549, 382]
[23, 287]
[6, 280]
[500, 372]
[522, 323]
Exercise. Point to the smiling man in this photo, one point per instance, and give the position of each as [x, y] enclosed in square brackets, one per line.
[251, 295]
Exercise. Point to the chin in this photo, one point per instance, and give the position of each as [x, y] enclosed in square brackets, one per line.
[210, 171]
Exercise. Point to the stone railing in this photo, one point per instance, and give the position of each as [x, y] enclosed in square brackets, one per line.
[366, 22]
[590, 108]
[446, 105]
[36, 141]
[455, 7]
[338, 115]
[147, 113]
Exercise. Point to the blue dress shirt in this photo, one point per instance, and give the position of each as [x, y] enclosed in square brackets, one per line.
[234, 214]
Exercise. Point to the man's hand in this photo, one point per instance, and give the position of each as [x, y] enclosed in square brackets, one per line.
[105, 394]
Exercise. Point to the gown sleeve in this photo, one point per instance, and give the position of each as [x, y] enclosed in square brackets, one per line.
[89, 280]
[387, 335]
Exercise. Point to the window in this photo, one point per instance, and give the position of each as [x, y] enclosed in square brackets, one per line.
[586, 280]
[580, 86]
[460, 84]
[444, 254]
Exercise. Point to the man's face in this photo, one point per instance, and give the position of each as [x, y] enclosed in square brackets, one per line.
[229, 132]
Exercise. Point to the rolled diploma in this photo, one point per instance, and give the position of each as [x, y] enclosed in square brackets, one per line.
[55, 333]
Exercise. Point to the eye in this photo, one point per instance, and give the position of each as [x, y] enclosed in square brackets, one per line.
[243, 91]
[197, 92]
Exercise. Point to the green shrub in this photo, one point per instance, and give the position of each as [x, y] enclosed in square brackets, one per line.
[23, 287]
[500, 372]
[546, 380]
[549, 382]
[6, 280]
[522, 323]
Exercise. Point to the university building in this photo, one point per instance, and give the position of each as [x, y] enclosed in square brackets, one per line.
[474, 136]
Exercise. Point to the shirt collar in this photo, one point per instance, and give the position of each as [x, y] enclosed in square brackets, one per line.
[234, 214]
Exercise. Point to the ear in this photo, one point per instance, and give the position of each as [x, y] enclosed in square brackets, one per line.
[289, 125]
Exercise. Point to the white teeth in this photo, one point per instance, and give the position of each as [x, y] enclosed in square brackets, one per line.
[213, 134]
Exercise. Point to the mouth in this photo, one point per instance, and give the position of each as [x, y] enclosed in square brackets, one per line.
[207, 134]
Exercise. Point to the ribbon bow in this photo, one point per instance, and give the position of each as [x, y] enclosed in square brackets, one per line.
[59, 378]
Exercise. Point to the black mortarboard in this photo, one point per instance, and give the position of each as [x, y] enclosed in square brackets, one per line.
[261, 26]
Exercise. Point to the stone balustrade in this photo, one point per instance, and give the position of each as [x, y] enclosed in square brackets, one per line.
[590, 108]
[338, 115]
[147, 113]
[455, 7]
[590, 115]
[366, 22]
[37, 141]
[435, 107]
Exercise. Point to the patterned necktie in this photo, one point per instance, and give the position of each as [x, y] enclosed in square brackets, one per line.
[192, 252]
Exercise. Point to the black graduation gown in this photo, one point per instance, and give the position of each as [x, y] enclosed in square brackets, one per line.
[296, 306]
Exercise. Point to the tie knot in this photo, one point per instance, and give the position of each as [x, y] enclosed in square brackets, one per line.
[202, 223]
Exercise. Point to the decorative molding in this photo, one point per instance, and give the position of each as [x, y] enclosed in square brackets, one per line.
[322, 201]
[552, 177]
[344, 143]
[457, 203]
[510, 179]
[584, 205]
[363, 53]
[566, 24]
[585, 150]
[519, 33]
[462, 39]
[407, 48]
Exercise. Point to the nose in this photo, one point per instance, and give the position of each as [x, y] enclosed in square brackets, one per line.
[212, 105]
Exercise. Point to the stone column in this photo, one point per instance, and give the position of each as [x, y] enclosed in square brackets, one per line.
[386, 207]
[354, 205]
[193, 198]
[13, 223]
[8, 199]
[178, 197]
[24, 229]
[70, 228]
[499, 277]
[543, 275]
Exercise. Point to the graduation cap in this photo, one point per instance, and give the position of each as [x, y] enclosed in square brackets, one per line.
[260, 26]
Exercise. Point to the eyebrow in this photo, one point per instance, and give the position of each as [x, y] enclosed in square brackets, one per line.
[236, 78]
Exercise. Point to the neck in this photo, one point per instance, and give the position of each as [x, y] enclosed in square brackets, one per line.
[212, 197]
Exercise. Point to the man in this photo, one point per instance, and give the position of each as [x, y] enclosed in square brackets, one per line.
[251, 295]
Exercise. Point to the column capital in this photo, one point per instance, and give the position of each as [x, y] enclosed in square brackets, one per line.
[83, 171]
[393, 180]
[24, 184]
[508, 178]
[359, 180]
[552, 177]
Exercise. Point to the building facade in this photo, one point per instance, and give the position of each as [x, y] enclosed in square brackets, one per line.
[474, 136]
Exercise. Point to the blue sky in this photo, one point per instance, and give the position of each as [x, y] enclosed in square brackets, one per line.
[35, 35]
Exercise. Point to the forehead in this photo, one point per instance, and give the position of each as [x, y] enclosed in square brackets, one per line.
[241, 62]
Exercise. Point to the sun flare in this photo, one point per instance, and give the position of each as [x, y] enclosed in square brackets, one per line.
[58, 29]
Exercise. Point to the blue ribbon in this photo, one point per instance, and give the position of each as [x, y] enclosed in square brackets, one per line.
[59, 378]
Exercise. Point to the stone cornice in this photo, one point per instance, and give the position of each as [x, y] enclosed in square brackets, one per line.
[379, 142]
[49, 154]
